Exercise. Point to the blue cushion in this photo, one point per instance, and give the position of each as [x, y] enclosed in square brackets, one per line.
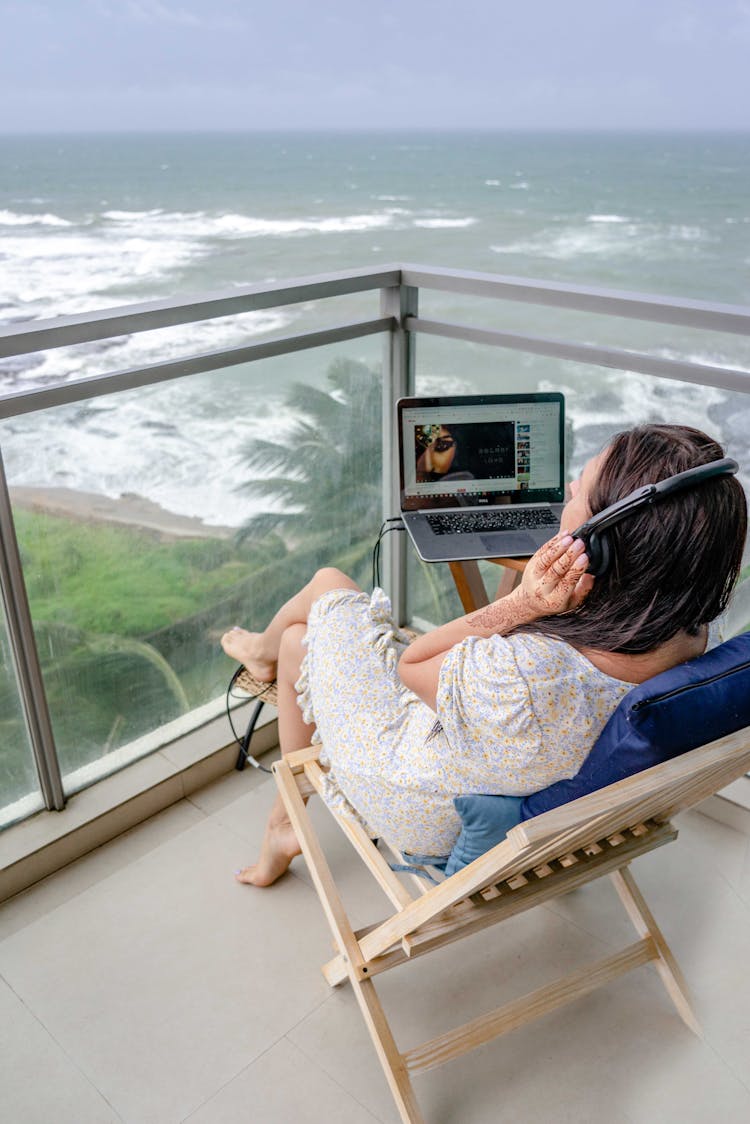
[485, 821]
[687, 706]
[679, 710]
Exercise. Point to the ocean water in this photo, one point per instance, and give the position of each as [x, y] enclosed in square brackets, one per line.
[88, 222]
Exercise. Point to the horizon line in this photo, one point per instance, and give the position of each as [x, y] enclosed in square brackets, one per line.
[655, 130]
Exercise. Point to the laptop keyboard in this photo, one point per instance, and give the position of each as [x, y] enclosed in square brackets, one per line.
[513, 519]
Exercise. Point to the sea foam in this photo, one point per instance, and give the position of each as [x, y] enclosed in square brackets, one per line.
[63, 273]
[444, 224]
[13, 218]
[607, 218]
[178, 443]
[181, 443]
[609, 237]
[200, 224]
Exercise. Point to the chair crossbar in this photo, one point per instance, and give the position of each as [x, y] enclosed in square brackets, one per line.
[463, 1039]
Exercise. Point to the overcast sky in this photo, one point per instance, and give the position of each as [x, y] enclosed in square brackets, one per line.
[316, 64]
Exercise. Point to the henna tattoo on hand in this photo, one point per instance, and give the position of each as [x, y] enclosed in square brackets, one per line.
[551, 584]
[503, 615]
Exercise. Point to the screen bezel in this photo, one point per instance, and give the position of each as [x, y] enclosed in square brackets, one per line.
[488, 498]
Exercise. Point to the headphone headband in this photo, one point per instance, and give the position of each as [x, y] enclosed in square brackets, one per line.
[592, 531]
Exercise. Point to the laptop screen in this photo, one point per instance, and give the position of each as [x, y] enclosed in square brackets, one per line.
[481, 449]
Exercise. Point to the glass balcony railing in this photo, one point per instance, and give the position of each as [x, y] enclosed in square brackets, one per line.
[145, 510]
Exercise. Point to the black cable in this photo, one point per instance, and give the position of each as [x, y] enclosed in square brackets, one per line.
[376, 559]
[241, 741]
[384, 530]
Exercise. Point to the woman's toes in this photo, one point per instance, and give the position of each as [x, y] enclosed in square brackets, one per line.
[245, 875]
[245, 648]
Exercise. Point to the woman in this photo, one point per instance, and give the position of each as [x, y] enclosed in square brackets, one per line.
[521, 689]
[438, 455]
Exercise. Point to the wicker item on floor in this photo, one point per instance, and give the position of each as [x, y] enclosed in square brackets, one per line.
[255, 688]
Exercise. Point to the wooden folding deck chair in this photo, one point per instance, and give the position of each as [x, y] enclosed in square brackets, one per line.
[542, 858]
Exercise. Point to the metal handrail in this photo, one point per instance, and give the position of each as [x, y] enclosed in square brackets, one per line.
[79, 390]
[66, 330]
[583, 298]
[727, 378]
[63, 331]
[399, 320]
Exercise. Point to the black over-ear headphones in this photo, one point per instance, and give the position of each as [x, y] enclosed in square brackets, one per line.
[593, 531]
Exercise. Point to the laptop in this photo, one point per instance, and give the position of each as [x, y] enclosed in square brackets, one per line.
[481, 475]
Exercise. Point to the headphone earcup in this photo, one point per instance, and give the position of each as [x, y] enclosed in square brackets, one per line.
[598, 550]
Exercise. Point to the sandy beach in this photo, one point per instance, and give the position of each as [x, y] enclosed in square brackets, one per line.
[127, 510]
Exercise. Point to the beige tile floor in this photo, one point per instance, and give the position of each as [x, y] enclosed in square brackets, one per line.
[141, 984]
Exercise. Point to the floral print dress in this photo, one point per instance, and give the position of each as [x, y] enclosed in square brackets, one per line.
[514, 714]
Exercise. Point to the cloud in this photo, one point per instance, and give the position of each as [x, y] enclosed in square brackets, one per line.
[682, 28]
[152, 11]
[741, 23]
[157, 13]
[296, 64]
[703, 26]
[16, 9]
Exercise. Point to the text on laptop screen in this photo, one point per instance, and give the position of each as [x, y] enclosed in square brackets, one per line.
[472, 450]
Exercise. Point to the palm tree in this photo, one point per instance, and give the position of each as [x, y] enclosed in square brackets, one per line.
[325, 484]
[324, 480]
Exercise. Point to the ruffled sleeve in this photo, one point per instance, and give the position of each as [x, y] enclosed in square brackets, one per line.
[486, 710]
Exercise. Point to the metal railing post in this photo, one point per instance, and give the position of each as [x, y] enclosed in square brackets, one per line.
[25, 656]
[399, 302]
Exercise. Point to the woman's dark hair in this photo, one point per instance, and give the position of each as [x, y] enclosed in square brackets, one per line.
[674, 564]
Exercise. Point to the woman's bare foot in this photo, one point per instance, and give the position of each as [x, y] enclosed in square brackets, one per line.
[246, 648]
[279, 847]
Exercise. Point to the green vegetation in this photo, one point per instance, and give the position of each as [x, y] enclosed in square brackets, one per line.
[111, 608]
[128, 621]
[325, 478]
[326, 487]
[104, 579]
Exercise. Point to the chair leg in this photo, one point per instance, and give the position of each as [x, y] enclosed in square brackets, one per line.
[394, 1067]
[666, 965]
[391, 1060]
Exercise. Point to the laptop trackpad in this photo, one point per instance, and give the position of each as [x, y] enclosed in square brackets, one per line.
[505, 544]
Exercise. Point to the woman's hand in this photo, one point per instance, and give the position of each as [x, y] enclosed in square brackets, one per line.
[555, 579]
[424, 464]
